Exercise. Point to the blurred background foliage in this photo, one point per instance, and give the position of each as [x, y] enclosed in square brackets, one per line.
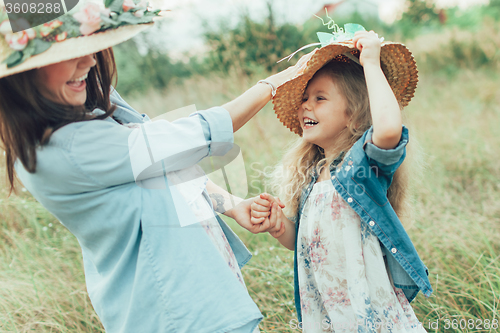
[442, 40]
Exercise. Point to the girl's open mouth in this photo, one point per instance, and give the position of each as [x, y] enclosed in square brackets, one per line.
[309, 123]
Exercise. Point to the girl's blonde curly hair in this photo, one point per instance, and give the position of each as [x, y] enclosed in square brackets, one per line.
[294, 171]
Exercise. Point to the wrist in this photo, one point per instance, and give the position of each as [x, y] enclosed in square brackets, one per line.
[371, 65]
[270, 84]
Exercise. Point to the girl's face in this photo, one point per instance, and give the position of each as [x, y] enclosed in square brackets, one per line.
[322, 115]
[64, 82]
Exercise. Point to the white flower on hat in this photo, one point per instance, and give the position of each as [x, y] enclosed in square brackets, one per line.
[5, 27]
[90, 18]
[139, 13]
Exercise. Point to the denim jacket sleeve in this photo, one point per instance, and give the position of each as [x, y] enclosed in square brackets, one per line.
[386, 160]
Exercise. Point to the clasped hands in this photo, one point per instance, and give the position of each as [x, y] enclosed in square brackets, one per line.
[262, 213]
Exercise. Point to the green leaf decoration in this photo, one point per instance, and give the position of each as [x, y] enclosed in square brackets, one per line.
[353, 27]
[39, 46]
[28, 51]
[129, 18]
[116, 6]
[340, 35]
[108, 20]
[108, 3]
[324, 38]
[13, 59]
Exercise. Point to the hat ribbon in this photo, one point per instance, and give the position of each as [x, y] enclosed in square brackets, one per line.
[337, 36]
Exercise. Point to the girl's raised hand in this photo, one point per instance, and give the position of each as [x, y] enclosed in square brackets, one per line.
[368, 43]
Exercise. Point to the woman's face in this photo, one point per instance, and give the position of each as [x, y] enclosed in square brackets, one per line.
[64, 82]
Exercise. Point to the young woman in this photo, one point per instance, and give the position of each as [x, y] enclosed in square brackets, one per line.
[106, 172]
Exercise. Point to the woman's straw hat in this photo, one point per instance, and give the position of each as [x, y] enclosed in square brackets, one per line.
[71, 35]
[396, 61]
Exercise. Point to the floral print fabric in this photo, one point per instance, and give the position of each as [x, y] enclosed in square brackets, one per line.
[193, 193]
[205, 215]
[343, 281]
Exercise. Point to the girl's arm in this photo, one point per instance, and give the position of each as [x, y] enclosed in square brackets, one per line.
[386, 114]
[266, 207]
[244, 107]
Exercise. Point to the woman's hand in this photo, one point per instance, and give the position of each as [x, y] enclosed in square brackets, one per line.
[368, 43]
[243, 108]
[291, 72]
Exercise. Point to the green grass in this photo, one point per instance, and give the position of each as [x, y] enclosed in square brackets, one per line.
[456, 227]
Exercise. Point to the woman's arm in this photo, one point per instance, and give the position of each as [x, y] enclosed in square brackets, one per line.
[237, 209]
[244, 107]
[385, 111]
[222, 200]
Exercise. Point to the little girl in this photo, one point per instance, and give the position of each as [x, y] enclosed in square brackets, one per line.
[356, 269]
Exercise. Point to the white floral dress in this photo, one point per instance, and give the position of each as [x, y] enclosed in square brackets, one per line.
[343, 282]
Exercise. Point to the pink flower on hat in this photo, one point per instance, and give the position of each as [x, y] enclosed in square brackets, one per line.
[89, 17]
[19, 40]
[62, 36]
[47, 28]
[128, 5]
[55, 24]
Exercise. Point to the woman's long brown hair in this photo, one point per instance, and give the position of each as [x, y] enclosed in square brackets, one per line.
[27, 119]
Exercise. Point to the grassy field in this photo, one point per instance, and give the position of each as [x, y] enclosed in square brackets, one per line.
[456, 227]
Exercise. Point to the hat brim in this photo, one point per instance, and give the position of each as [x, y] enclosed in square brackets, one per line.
[76, 47]
[396, 60]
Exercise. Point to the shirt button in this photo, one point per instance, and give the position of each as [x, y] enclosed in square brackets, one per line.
[393, 250]
[349, 200]
[333, 177]
[372, 223]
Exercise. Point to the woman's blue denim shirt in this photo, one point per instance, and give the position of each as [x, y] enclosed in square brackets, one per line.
[362, 178]
[144, 272]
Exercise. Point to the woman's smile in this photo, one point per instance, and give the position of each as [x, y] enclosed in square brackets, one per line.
[65, 82]
[79, 84]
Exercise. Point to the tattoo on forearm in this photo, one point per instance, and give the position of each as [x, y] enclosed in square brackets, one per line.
[219, 202]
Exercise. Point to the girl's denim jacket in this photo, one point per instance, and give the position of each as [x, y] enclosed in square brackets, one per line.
[362, 179]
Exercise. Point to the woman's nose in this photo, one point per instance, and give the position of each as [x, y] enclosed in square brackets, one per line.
[87, 61]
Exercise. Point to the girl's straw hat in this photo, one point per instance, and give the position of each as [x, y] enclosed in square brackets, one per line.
[396, 61]
[88, 29]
